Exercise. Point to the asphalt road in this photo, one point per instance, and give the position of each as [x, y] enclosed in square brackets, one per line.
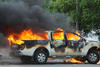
[15, 62]
[53, 65]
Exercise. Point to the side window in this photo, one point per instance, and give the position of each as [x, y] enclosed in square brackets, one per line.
[58, 39]
[71, 36]
[58, 36]
[75, 42]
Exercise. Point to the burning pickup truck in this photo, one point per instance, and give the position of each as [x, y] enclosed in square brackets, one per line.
[38, 48]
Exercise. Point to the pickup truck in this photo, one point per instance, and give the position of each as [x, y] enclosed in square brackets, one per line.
[40, 50]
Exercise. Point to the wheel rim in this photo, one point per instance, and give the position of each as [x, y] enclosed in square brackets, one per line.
[92, 57]
[41, 57]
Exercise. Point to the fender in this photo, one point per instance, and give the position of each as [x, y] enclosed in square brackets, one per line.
[89, 46]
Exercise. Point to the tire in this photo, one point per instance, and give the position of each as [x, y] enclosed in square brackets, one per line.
[40, 57]
[93, 57]
[26, 59]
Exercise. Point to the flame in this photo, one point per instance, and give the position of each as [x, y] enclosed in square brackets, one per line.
[16, 38]
[71, 36]
[76, 61]
[59, 29]
[12, 40]
[73, 60]
[26, 35]
[98, 62]
[58, 35]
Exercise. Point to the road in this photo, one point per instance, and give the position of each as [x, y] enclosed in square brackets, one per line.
[54, 65]
[15, 62]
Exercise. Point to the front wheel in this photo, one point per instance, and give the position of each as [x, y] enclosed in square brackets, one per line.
[40, 57]
[93, 57]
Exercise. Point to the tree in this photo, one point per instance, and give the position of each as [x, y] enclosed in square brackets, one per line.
[88, 13]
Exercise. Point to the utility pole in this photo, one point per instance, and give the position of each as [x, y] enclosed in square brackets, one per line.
[77, 14]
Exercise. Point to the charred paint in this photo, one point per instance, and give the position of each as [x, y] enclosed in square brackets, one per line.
[59, 50]
[76, 45]
[33, 43]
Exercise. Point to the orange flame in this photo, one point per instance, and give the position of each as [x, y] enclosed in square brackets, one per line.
[76, 61]
[58, 35]
[30, 35]
[26, 35]
[71, 36]
[73, 60]
[59, 29]
[98, 62]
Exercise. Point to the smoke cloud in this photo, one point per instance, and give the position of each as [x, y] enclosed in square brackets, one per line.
[17, 16]
[63, 21]
[3, 41]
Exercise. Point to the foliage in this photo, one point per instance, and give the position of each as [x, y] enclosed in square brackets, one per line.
[88, 13]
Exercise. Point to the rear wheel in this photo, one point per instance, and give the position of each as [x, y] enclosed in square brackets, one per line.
[93, 57]
[40, 57]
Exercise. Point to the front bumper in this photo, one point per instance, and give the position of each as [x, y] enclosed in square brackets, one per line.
[16, 50]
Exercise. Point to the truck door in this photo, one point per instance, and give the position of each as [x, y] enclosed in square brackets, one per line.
[75, 43]
[58, 44]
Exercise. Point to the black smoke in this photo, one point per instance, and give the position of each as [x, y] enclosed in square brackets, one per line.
[18, 15]
[15, 16]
